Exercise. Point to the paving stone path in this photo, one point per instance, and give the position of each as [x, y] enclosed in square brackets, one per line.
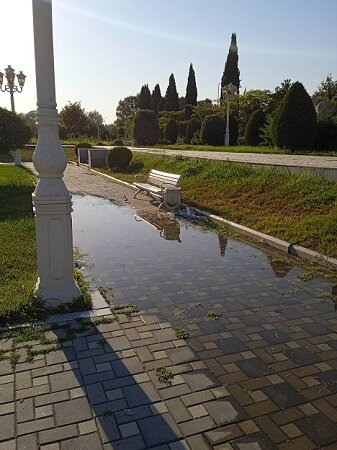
[262, 377]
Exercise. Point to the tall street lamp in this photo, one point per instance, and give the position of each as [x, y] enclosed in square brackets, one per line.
[11, 87]
[51, 198]
[228, 92]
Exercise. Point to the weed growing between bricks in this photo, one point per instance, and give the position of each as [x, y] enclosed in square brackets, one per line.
[21, 341]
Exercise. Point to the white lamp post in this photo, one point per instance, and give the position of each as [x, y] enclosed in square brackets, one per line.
[228, 93]
[51, 198]
[11, 87]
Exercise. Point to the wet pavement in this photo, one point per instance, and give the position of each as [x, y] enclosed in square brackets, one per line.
[247, 335]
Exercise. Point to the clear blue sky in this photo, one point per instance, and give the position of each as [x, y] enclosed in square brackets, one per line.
[106, 50]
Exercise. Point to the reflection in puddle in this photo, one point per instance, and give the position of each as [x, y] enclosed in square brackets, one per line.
[168, 226]
[176, 264]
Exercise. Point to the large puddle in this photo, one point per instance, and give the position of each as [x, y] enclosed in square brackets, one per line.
[179, 270]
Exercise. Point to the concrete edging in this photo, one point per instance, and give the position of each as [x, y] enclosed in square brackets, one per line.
[287, 247]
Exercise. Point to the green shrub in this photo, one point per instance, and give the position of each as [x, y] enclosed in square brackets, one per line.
[326, 138]
[253, 127]
[171, 131]
[181, 126]
[295, 123]
[119, 157]
[14, 132]
[100, 143]
[193, 125]
[188, 112]
[233, 130]
[146, 129]
[213, 130]
[117, 142]
[82, 145]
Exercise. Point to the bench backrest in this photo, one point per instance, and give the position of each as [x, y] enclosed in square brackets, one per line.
[158, 178]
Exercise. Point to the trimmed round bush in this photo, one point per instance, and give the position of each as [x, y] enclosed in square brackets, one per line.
[213, 130]
[146, 128]
[82, 145]
[119, 157]
[171, 131]
[295, 122]
[233, 130]
[14, 133]
[253, 127]
[192, 126]
[326, 138]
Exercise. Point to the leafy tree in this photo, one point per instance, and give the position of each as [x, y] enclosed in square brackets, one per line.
[280, 92]
[295, 122]
[30, 121]
[74, 119]
[191, 88]
[327, 90]
[156, 98]
[126, 109]
[253, 128]
[171, 131]
[181, 103]
[243, 106]
[145, 129]
[144, 99]
[231, 73]
[95, 122]
[14, 132]
[171, 96]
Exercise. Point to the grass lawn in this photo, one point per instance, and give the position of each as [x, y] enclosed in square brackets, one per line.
[301, 209]
[18, 263]
[18, 272]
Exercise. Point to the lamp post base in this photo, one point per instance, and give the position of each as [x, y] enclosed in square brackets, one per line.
[55, 250]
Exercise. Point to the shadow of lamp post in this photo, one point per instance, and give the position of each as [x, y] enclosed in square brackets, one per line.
[11, 87]
[228, 92]
[51, 198]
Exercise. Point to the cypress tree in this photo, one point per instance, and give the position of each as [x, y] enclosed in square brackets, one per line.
[171, 96]
[253, 134]
[144, 99]
[155, 98]
[231, 73]
[295, 123]
[191, 88]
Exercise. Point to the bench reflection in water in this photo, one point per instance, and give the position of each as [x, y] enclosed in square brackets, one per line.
[168, 226]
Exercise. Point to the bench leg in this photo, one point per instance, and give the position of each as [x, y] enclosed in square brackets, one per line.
[139, 190]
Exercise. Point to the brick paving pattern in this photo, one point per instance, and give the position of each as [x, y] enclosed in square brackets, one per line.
[262, 376]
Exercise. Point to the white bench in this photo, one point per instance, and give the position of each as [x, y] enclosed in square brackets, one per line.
[162, 186]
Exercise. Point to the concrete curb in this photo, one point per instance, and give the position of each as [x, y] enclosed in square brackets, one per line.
[287, 247]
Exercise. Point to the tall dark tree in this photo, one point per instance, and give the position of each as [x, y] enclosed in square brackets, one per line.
[171, 97]
[231, 73]
[191, 88]
[144, 99]
[155, 98]
[295, 123]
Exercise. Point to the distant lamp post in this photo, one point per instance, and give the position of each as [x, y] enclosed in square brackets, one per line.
[11, 87]
[228, 92]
